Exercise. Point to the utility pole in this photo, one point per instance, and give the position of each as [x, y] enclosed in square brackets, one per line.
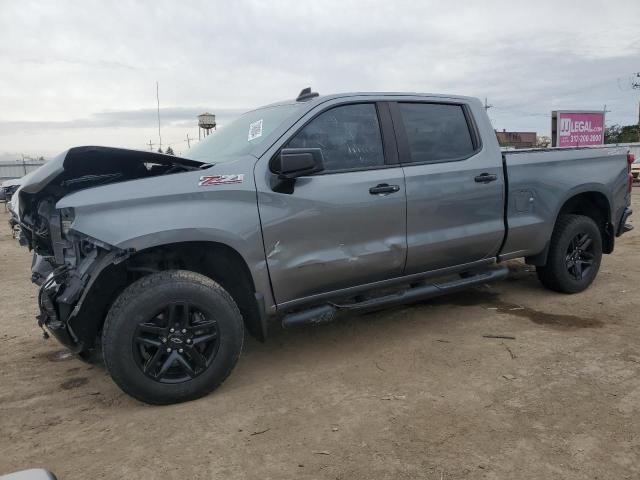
[486, 105]
[158, 99]
[635, 84]
[188, 141]
[150, 146]
[604, 123]
[24, 165]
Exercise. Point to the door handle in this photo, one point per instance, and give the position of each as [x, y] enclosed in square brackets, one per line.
[486, 178]
[384, 188]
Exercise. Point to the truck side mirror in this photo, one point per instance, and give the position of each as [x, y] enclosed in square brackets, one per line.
[292, 163]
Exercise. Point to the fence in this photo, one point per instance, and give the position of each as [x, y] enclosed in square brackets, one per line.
[17, 168]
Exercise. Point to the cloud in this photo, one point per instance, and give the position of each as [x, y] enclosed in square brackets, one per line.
[87, 71]
[176, 116]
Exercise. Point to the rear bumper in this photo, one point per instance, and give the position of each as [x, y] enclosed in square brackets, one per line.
[623, 226]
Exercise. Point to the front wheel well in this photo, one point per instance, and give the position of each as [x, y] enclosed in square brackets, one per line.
[217, 261]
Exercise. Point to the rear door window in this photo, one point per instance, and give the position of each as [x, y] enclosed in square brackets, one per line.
[436, 132]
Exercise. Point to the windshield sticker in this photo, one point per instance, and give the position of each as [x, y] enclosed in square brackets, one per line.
[255, 130]
[211, 180]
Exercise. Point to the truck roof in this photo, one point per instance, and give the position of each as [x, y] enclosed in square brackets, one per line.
[318, 99]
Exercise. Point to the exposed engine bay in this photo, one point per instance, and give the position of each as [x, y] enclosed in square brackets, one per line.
[77, 169]
[64, 259]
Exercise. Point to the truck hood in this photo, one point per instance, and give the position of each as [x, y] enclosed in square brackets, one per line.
[82, 167]
[11, 182]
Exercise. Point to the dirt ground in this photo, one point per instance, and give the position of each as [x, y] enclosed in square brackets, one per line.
[414, 392]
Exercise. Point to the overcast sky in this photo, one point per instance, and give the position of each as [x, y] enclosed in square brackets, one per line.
[84, 72]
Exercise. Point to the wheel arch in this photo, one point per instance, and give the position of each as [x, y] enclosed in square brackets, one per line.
[215, 260]
[596, 205]
[593, 203]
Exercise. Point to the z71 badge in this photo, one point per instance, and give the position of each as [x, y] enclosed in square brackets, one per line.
[210, 180]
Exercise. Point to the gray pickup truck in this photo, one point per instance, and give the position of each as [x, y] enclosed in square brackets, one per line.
[301, 211]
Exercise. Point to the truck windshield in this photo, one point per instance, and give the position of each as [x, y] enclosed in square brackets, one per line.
[242, 135]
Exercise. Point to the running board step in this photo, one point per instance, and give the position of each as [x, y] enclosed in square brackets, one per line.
[329, 312]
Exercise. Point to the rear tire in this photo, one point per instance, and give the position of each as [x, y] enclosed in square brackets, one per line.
[172, 336]
[574, 255]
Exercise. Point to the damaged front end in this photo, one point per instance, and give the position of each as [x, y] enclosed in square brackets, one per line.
[64, 280]
[67, 262]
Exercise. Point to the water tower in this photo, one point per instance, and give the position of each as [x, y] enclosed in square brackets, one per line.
[206, 122]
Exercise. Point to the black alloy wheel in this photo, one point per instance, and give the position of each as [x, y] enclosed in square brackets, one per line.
[176, 344]
[172, 336]
[574, 254]
[580, 256]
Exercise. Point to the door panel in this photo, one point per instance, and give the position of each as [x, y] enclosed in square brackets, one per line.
[453, 217]
[331, 233]
[344, 227]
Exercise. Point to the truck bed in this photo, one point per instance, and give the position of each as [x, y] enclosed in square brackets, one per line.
[540, 181]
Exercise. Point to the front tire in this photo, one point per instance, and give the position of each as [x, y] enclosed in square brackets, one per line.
[172, 336]
[574, 255]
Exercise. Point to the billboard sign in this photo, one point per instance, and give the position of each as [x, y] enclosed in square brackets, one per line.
[577, 128]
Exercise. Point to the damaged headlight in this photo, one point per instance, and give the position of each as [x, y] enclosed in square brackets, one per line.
[67, 215]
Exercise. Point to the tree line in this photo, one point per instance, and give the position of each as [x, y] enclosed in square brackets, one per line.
[622, 134]
[168, 151]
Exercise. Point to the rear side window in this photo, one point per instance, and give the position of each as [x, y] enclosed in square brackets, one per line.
[349, 137]
[436, 132]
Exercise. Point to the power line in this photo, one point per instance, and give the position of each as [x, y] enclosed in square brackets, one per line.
[180, 141]
[633, 81]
